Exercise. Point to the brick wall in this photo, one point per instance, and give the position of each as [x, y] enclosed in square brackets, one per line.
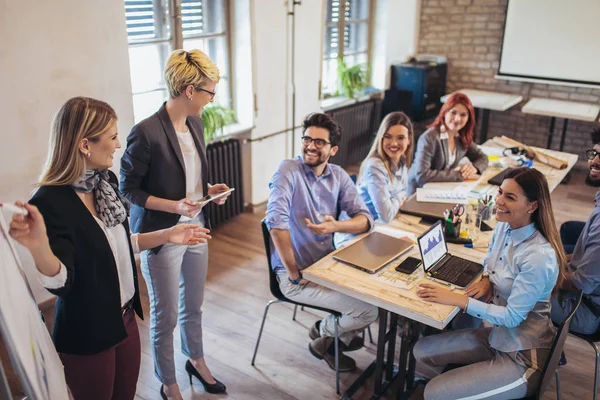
[469, 34]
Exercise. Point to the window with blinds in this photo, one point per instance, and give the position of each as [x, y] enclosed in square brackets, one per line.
[152, 37]
[347, 35]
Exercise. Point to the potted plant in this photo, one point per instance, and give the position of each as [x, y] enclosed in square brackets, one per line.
[215, 117]
[352, 79]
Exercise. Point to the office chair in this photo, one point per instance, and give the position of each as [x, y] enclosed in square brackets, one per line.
[592, 339]
[555, 354]
[279, 297]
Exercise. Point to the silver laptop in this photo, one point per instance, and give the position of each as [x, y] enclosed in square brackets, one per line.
[441, 265]
[373, 252]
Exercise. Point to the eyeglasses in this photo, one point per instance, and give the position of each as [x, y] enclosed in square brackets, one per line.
[591, 154]
[212, 94]
[319, 143]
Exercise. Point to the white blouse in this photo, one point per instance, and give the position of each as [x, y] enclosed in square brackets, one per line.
[193, 168]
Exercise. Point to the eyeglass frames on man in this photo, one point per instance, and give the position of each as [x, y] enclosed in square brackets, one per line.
[319, 143]
[591, 153]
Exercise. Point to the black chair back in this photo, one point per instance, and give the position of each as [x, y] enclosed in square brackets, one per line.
[557, 348]
[273, 282]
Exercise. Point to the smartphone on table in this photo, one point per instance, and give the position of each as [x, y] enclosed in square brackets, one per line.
[409, 265]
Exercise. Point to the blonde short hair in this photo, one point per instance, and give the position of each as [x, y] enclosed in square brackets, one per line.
[186, 68]
[79, 118]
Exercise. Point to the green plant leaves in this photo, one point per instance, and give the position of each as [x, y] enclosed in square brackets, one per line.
[352, 79]
[215, 117]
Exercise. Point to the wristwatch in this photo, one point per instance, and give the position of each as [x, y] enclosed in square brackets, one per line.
[297, 280]
[485, 274]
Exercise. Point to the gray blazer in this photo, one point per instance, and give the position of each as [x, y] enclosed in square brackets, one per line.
[153, 166]
[431, 160]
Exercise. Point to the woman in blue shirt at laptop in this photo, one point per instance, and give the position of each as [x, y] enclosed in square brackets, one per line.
[524, 262]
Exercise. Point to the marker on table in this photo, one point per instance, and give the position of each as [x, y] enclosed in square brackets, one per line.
[476, 245]
[13, 209]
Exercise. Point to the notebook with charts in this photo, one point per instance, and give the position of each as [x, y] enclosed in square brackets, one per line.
[373, 252]
[441, 265]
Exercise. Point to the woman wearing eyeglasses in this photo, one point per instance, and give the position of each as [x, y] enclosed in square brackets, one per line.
[163, 172]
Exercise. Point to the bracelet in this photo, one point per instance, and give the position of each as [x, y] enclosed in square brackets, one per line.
[297, 280]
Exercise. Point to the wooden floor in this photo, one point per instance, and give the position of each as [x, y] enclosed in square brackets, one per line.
[237, 292]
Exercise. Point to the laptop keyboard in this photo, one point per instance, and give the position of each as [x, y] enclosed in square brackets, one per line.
[452, 269]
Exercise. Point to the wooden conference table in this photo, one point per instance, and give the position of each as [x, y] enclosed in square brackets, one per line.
[393, 298]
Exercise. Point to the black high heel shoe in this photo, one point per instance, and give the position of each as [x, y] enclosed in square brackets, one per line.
[162, 393]
[214, 388]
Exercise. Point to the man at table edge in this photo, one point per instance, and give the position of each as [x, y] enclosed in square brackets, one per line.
[584, 259]
[306, 196]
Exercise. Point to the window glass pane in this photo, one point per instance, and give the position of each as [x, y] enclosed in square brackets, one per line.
[201, 17]
[333, 10]
[146, 65]
[330, 48]
[357, 9]
[216, 48]
[356, 37]
[147, 20]
[329, 78]
[146, 104]
[356, 59]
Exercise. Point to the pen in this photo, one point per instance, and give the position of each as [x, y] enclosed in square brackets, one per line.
[13, 209]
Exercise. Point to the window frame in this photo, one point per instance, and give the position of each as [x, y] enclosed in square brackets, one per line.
[341, 25]
[173, 19]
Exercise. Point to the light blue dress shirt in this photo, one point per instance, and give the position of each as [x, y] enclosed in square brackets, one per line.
[382, 195]
[523, 270]
[297, 193]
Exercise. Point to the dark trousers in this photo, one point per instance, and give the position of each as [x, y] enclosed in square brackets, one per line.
[109, 375]
[569, 234]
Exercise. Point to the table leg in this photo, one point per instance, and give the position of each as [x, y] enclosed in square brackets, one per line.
[550, 133]
[389, 363]
[564, 134]
[378, 386]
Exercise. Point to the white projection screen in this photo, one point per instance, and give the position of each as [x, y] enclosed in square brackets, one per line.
[557, 41]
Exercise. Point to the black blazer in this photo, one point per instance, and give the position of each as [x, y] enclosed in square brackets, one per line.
[153, 165]
[87, 314]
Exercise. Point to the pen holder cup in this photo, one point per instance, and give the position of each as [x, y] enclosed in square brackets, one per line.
[484, 213]
[452, 230]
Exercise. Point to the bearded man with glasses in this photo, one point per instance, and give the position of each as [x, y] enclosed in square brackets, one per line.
[582, 245]
[306, 197]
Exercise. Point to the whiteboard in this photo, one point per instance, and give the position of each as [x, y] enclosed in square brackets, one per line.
[551, 40]
[29, 345]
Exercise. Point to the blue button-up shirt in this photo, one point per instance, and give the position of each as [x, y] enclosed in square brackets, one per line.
[382, 195]
[586, 257]
[297, 193]
[523, 271]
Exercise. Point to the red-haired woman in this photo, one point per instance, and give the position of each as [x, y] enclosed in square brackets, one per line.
[448, 140]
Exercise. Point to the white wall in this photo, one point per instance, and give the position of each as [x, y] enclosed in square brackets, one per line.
[395, 36]
[52, 51]
[272, 79]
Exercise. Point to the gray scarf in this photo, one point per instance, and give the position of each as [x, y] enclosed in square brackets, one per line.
[112, 208]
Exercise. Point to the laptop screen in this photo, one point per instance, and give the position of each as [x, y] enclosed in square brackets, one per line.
[432, 245]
